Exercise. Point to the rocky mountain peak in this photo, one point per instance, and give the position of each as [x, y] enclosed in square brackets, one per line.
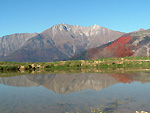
[60, 27]
[96, 26]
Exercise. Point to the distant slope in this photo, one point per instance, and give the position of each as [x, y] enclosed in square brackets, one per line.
[61, 42]
[131, 44]
[36, 50]
[11, 43]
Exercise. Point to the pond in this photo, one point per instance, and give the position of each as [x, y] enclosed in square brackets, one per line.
[75, 93]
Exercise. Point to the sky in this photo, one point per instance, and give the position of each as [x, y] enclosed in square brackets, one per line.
[29, 16]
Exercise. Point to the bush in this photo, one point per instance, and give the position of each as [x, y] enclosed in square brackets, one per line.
[1, 68]
[49, 66]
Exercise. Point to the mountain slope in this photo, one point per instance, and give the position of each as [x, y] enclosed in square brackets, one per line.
[131, 44]
[11, 43]
[62, 41]
[36, 50]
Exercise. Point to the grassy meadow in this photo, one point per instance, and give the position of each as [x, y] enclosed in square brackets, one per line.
[99, 65]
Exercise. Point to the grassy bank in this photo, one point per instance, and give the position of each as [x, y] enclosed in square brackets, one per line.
[126, 63]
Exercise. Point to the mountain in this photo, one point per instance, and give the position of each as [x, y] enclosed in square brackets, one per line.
[11, 43]
[73, 39]
[131, 44]
[60, 42]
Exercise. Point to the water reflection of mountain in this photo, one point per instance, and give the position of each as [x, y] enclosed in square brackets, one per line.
[66, 83]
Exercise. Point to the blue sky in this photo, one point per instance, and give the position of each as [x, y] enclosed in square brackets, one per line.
[21, 16]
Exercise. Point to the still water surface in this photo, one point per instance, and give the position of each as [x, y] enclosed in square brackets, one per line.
[75, 93]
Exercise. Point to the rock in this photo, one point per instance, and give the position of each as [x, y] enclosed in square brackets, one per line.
[21, 67]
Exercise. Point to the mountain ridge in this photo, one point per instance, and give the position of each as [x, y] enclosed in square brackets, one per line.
[61, 41]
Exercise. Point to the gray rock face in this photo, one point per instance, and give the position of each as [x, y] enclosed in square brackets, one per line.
[11, 43]
[59, 42]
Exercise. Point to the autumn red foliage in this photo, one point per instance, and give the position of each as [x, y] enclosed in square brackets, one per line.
[122, 51]
[121, 47]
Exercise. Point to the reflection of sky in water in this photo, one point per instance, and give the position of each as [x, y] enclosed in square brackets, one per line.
[134, 96]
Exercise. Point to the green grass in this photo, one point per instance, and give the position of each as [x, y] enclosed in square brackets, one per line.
[102, 63]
